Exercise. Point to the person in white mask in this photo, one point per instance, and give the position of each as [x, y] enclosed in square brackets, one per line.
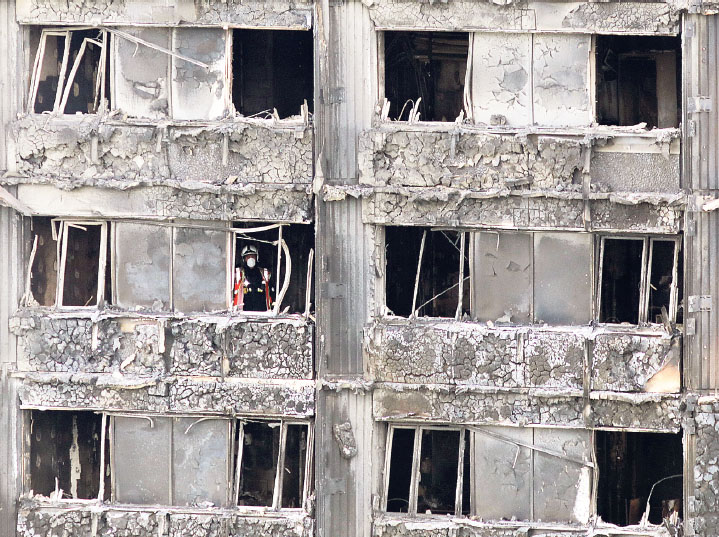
[252, 283]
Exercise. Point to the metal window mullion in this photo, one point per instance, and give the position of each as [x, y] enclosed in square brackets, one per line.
[113, 46]
[460, 474]
[387, 463]
[227, 88]
[63, 70]
[170, 458]
[279, 267]
[532, 237]
[71, 76]
[229, 269]
[113, 480]
[644, 281]
[309, 457]
[600, 276]
[472, 477]
[674, 293]
[460, 299]
[414, 480]
[277, 496]
[37, 68]
[171, 275]
[102, 265]
[238, 464]
[101, 488]
[417, 274]
[61, 268]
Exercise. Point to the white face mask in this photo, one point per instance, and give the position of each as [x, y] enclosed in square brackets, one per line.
[251, 262]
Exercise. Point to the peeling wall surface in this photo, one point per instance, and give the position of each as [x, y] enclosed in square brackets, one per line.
[314, 419]
[271, 13]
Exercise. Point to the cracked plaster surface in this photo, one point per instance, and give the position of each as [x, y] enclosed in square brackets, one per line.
[148, 394]
[88, 151]
[259, 13]
[278, 349]
[36, 520]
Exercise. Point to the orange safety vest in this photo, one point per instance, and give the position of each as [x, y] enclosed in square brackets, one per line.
[238, 300]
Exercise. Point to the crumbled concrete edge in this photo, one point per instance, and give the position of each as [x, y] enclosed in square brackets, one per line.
[513, 15]
[267, 13]
[220, 347]
[464, 353]
[524, 407]
[37, 518]
[92, 150]
[295, 398]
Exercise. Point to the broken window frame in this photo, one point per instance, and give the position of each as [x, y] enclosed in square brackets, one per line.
[645, 278]
[416, 454]
[463, 279]
[62, 244]
[413, 113]
[279, 473]
[26, 467]
[65, 86]
[282, 248]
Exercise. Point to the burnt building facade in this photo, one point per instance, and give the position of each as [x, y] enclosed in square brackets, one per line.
[484, 301]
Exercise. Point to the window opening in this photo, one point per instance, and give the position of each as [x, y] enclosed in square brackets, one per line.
[294, 466]
[262, 449]
[272, 69]
[630, 464]
[43, 280]
[82, 280]
[622, 261]
[424, 271]
[425, 70]
[638, 80]
[439, 457]
[271, 266]
[69, 74]
[400, 470]
[639, 279]
[66, 458]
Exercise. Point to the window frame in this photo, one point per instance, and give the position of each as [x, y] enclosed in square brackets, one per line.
[279, 474]
[464, 252]
[416, 454]
[645, 278]
[62, 244]
[65, 86]
[108, 457]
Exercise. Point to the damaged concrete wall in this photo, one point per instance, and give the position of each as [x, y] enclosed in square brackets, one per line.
[510, 16]
[462, 157]
[263, 13]
[88, 151]
[105, 391]
[477, 355]
[280, 203]
[567, 408]
[276, 349]
[454, 207]
[36, 520]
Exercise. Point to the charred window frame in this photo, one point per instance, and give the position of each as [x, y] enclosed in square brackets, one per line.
[65, 455]
[427, 272]
[444, 491]
[424, 76]
[290, 248]
[638, 80]
[641, 273]
[496, 472]
[82, 49]
[270, 480]
[640, 478]
[74, 290]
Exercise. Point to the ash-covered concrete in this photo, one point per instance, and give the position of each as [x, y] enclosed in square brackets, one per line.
[71, 152]
[277, 348]
[39, 518]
